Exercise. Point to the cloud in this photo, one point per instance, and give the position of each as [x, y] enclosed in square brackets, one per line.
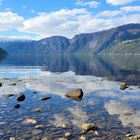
[119, 2]
[91, 4]
[9, 21]
[122, 11]
[131, 9]
[21, 37]
[69, 22]
[106, 13]
[63, 22]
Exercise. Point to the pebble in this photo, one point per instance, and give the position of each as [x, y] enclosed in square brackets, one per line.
[12, 138]
[67, 134]
[37, 109]
[29, 121]
[88, 126]
[39, 126]
[127, 113]
[21, 97]
[123, 86]
[10, 95]
[44, 98]
[82, 138]
[17, 106]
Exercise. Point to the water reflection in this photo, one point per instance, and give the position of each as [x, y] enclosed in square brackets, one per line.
[122, 68]
[113, 111]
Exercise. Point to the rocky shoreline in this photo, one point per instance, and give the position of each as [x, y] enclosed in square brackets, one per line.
[87, 128]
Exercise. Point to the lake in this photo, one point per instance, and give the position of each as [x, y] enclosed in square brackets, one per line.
[114, 112]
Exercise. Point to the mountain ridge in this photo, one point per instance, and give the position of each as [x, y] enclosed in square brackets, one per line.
[91, 43]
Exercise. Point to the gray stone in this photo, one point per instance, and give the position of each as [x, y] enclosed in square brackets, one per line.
[21, 97]
[37, 109]
[39, 126]
[67, 134]
[29, 121]
[44, 98]
[88, 126]
[17, 106]
[10, 95]
[76, 94]
[123, 86]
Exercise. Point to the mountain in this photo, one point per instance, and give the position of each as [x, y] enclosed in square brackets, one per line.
[55, 44]
[2, 52]
[100, 41]
[119, 40]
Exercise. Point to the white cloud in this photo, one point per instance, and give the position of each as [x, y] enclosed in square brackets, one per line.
[119, 2]
[21, 37]
[109, 13]
[92, 4]
[68, 22]
[10, 20]
[130, 9]
[63, 22]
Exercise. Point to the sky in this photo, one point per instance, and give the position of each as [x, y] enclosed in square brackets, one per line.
[37, 19]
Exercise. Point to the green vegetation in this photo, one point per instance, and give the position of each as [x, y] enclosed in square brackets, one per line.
[124, 47]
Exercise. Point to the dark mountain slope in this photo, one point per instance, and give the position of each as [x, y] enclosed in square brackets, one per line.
[99, 41]
[2, 52]
[115, 40]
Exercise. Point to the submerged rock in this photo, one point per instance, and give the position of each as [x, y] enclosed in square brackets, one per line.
[67, 134]
[127, 113]
[44, 98]
[129, 135]
[39, 126]
[13, 84]
[123, 86]
[29, 121]
[12, 138]
[21, 97]
[88, 126]
[17, 106]
[64, 124]
[9, 95]
[76, 94]
[82, 138]
[37, 109]
[133, 137]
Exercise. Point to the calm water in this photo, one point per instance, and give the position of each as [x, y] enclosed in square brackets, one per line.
[114, 112]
